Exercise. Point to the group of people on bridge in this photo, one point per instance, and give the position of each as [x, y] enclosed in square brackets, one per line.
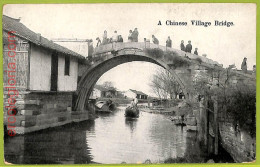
[188, 47]
[133, 37]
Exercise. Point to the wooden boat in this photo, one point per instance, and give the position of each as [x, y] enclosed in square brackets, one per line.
[102, 106]
[178, 120]
[132, 112]
[111, 105]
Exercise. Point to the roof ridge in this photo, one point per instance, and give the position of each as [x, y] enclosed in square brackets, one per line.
[18, 20]
[11, 24]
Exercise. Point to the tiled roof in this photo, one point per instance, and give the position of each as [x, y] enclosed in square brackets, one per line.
[11, 24]
[138, 92]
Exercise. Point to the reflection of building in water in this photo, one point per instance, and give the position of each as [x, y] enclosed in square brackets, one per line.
[54, 146]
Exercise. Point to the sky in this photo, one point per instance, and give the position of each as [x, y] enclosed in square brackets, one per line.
[226, 45]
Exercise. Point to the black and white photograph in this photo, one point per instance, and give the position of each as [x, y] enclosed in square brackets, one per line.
[129, 83]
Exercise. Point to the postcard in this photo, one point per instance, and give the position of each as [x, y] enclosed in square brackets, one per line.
[129, 83]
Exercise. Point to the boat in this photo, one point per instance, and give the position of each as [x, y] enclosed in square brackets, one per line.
[103, 106]
[132, 112]
[178, 120]
[111, 105]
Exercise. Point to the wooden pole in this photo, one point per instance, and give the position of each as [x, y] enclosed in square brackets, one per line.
[206, 135]
[216, 126]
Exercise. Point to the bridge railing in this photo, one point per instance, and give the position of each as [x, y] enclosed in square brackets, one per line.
[102, 49]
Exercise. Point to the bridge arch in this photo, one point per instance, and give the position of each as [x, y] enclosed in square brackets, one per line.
[113, 58]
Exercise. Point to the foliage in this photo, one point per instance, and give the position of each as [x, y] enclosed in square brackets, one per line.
[237, 100]
[156, 52]
[179, 62]
[241, 105]
[171, 56]
[198, 60]
[109, 85]
[201, 82]
[98, 58]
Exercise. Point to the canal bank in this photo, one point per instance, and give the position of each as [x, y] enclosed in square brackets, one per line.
[111, 138]
[193, 124]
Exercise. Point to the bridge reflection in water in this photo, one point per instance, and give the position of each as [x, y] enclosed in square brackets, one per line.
[110, 139]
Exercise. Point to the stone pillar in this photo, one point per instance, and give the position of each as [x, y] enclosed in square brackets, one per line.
[216, 126]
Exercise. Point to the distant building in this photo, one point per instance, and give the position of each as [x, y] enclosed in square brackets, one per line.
[133, 93]
[101, 91]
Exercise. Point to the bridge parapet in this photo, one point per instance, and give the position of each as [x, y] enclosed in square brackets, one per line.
[102, 49]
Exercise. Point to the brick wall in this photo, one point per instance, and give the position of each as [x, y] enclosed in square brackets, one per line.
[40, 110]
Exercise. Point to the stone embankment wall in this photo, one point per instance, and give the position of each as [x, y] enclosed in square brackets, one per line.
[238, 143]
[40, 110]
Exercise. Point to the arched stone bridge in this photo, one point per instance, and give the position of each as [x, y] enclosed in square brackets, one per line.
[106, 57]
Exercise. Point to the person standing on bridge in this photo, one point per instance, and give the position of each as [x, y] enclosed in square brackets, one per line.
[182, 46]
[135, 34]
[98, 41]
[169, 42]
[189, 47]
[120, 39]
[254, 68]
[130, 38]
[196, 51]
[244, 65]
[115, 37]
[90, 50]
[105, 40]
[155, 40]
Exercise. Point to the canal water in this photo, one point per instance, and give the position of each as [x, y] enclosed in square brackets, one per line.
[112, 139]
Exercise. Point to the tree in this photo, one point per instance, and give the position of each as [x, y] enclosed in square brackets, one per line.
[164, 85]
[108, 84]
[236, 99]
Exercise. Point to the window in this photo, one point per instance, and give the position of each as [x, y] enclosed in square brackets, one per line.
[67, 65]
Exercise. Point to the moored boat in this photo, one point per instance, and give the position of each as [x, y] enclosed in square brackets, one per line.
[132, 112]
[102, 106]
[178, 120]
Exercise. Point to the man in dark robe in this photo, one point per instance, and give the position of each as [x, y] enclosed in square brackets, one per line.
[244, 65]
[169, 42]
[135, 34]
[155, 40]
[189, 47]
[196, 51]
[182, 46]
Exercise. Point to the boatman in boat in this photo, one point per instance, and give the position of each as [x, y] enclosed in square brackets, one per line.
[132, 105]
[136, 101]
